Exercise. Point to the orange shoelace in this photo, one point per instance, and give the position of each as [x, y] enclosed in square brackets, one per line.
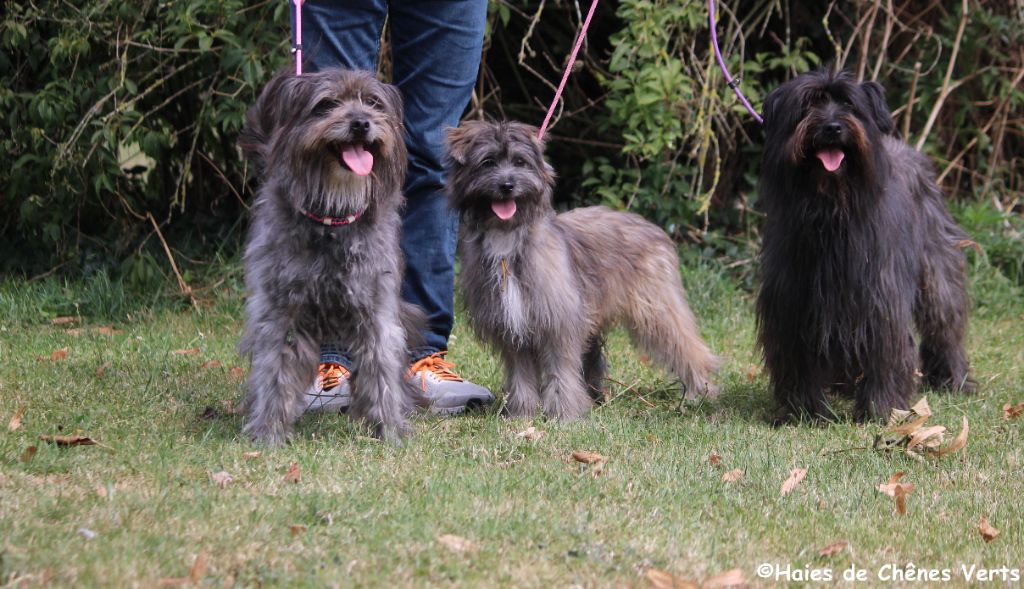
[331, 375]
[436, 365]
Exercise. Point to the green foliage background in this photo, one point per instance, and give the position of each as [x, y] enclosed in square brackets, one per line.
[120, 118]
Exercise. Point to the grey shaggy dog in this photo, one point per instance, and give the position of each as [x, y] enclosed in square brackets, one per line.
[322, 259]
[541, 287]
[858, 248]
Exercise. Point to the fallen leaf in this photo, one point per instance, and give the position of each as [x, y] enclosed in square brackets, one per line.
[665, 580]
[228, 407]
[890, 487]
[908, 428]
[102, 369]
[198, 570]
[222, 479]
[752, 372]
[795, 476]
[211, 364]
[64, 320]
[58, 355]
[901, 498]
[15, 421]
[297, 529]
[988, 533]
[927, 437]
[588, 457]
[1013, 411]
[252, 455]
[962, 244]
[714, 459]
[730, 578]
[188, 352]
[236, 372]
[833, 548]
[531, 433]
[959, 442]
[293, 473]
[733, 475]
[108, 330]
[28, 453]
[75, 439]
[457, 544]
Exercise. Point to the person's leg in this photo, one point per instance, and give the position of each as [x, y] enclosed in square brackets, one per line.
[435, 56]
[435, 49]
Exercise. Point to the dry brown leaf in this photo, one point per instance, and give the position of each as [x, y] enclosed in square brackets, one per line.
[102, 369]
[664, 580]
[64, 320]
[1012, 411]
[222, 479]
[58, 355]
[730, 578]
[75, 439]
[927, 437]
[588, 457]
[959, 442]
[293, 473]
[28, 453]
[988, 533]
[297, 529]
[531, 433]
[211, 364]
[733, 475]
[962, 244]
[236, 372]
[457, 544]
[901, 497]
[907, 428]
[752, 372]
[198, 570]
[795, 476]
[15, 421]
[252, 455]
[833, 548]
[108, 330]
[714, 459]
[188, 352]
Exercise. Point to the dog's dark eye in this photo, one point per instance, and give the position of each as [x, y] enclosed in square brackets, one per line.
[372, 101]
[325, 106]
[518, 162]
[488, 163]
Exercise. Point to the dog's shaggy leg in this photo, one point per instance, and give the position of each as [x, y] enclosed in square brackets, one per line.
[563, 392]
[941, 316]
[379, 397]
[281, 371]
[889, 380]
[521, 377]
[595, 368]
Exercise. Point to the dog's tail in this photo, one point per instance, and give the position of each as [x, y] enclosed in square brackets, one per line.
[665, 328]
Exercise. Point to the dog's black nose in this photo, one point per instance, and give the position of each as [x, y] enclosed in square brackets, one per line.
[507, 186]
[833, 129]
[359, 127]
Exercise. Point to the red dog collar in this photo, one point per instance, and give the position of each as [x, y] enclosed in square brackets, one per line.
[332, 221]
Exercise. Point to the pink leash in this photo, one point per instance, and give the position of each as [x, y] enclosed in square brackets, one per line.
[297, 49]
[721, 64]
[568, 68]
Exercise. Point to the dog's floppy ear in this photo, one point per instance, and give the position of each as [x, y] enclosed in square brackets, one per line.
[281, 100]
[879, 109]
[459, 140]
[394, 99]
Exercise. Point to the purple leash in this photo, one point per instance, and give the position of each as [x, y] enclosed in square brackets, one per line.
[297, 49]
[721, 64]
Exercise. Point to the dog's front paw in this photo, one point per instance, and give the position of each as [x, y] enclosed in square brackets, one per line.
[391, 433]
[704, 390]
[272, 435]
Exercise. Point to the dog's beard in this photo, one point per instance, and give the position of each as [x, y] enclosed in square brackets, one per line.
[333, 190]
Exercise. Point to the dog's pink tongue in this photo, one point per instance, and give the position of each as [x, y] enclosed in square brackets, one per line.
[831, 158]
[358, 159]
[504, 208]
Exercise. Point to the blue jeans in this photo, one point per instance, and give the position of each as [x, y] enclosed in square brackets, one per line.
[435, 56]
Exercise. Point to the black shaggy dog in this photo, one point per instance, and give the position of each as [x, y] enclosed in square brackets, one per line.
[857, 248]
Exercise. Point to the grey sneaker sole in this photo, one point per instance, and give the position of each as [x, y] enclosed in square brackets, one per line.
[451, 404]
[328, 402]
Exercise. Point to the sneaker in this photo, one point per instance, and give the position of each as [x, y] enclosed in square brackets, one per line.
[447, 392]
[330, 390]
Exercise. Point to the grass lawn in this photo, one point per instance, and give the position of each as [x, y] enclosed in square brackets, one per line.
[137, 508]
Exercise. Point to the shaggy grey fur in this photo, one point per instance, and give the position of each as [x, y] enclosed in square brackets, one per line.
[308, 283]
[542, 287]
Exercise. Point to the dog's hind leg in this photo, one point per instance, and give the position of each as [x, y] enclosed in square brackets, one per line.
[664, 327]
[595, 368]
[941, 316]
[283, 368]
[522, 374]
[380, 397]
